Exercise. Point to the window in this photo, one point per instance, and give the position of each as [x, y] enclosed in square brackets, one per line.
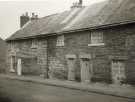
[34, 43]
[12, 45]
[96, 39]
[130, 41]
[60, 40]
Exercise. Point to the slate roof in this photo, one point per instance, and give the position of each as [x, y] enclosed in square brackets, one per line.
[103, 13]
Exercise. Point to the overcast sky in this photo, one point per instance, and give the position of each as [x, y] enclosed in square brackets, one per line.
[10, 11]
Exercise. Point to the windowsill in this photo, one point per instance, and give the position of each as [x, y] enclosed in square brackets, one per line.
[59, 45]
[34, 47]
[12, 70]
[100, 44]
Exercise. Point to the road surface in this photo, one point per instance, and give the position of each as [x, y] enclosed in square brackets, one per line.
[19, 91]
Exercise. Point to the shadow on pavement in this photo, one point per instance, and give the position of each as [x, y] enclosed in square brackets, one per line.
[4, 99]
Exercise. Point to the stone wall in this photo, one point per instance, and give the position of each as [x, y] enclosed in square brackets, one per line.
[119, 43]
[77, 43]
[115, 40]
[34, 60]
[56, 69]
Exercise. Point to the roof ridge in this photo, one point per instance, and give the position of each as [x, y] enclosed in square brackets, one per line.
[52, 14]
[49, 15]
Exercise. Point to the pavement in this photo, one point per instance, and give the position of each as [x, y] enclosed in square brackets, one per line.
[124, 91]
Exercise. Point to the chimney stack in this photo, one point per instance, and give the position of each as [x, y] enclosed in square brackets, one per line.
[24, 19]
[80, 2]
[34, 17]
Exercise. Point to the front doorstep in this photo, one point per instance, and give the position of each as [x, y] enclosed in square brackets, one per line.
[125, 91]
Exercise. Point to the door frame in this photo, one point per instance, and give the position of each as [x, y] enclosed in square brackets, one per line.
[70, 57]
[86, 57]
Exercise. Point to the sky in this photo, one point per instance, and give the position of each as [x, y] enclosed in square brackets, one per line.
[10, 11]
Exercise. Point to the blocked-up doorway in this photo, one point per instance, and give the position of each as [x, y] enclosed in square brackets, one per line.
[118, 71]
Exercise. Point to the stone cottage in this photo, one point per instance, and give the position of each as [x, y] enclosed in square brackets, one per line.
[86, 44]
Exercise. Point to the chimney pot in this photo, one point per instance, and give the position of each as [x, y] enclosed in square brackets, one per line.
[34, 17]
[33, 13]
[77, 4]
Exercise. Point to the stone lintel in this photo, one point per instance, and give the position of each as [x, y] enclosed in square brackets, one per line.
[118, 57]
[12, 53]
[85, 56]
[70, 56]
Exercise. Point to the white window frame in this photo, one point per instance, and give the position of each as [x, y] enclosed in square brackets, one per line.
[34, 44]
[96, 38]
[12, 45]
[60, 40]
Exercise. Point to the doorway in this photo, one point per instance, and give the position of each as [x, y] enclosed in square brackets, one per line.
[85, 70]
[71, 60]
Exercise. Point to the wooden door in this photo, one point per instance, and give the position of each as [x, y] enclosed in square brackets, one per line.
[19, 67]
[85, 70]
[12, 64]
[118, 71]
[71, 69]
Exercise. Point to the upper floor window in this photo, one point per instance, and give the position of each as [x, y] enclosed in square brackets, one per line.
[12, 45]
[34, 43]
[96, 38]
[130, 41]
[60, 40]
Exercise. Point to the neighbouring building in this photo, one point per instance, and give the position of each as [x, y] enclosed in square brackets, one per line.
[3, 48]
[87, 44]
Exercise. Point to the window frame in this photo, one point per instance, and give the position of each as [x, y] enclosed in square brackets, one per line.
[34, 43]
[60, 40]
[100, 37]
